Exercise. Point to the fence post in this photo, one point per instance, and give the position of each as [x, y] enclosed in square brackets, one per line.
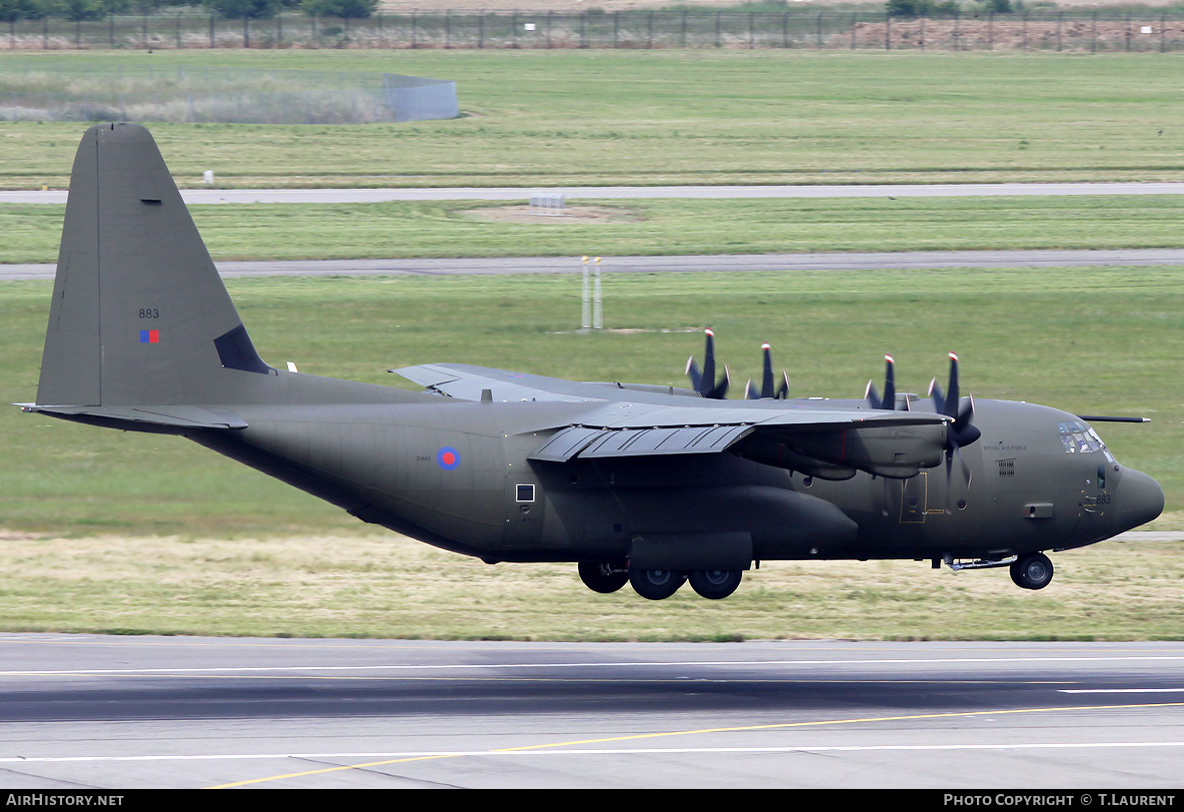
[144, 35]
[279, 29]
[650, 42]
[246, 31]
[1163, 26]
[957, 34]
[583, 29]
[887, 31]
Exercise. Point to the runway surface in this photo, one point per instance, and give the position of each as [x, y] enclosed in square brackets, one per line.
[664, 264]
[523, 193]
[90, 712]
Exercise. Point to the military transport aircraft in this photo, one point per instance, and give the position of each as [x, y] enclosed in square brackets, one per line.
[647, 484]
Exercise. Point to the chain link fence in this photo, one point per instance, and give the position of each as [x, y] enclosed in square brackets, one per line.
[1148, 30]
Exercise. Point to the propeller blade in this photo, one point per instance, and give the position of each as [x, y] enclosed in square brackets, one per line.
[708, 364]
[694, 374]
[961, 430]
[767, 390]
[889, 401]
[939, 400]
[872, 396]
[951, 401]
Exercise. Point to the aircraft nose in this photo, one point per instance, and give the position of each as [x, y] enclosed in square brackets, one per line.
[1139, 499]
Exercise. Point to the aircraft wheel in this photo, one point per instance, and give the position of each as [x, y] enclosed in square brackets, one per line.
[1032, 571]
[603, 576]
[715, 584]
[656, 584]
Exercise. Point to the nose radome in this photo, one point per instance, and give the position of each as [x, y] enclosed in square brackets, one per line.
[1139, 499]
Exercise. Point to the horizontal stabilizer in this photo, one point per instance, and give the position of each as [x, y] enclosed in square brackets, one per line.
[144, 418]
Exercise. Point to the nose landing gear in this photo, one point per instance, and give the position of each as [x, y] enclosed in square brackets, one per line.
[1032, 571]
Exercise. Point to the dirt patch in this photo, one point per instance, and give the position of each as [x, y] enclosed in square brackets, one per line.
[576, 6]
[1013, 35]
[569, 6]
[569, 215]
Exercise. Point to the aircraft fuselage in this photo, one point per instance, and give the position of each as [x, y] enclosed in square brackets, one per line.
[456, 474]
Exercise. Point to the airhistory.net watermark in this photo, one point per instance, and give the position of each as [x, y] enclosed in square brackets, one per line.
[61, 799]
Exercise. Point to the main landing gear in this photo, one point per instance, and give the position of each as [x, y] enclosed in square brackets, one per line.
[607, 576]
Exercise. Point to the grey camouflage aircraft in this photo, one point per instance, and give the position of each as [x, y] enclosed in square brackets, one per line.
[647, 484]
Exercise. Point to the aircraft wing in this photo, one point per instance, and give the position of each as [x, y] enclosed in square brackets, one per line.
[626, 420]
[829, 443]
[465, 382]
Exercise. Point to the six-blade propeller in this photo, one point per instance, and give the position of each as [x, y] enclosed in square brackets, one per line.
[960, 432]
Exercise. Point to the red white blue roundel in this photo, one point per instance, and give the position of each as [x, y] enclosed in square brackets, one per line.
[448, 458]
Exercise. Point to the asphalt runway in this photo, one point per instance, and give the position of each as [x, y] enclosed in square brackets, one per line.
[82, 712]
[666, 264]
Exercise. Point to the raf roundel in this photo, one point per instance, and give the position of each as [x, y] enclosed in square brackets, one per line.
[448, 458]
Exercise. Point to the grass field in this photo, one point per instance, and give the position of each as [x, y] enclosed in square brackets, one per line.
[384, 586]
[657, 117]
[656, 227]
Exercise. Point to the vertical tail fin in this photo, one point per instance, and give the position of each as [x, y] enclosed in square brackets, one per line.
[139, 313]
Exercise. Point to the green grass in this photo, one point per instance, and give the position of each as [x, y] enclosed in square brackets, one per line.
[661, 227]
[656, 117]
[383, 586]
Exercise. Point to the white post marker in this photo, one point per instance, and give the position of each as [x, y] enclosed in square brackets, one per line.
[597, 305]
[586, 321]
[208, 177]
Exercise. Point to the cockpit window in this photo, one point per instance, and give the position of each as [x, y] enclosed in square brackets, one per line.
[1078, 438]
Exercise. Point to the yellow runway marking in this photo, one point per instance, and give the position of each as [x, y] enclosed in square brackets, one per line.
[739, 729]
